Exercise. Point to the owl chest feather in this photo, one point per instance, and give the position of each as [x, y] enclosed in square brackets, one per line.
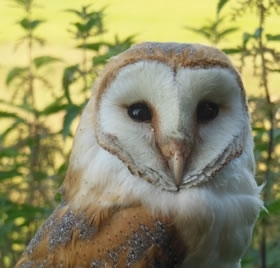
[133, 236]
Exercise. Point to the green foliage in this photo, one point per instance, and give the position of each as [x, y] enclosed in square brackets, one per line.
[215, 30]
[28, 168]
[33, 160]
[221, 4]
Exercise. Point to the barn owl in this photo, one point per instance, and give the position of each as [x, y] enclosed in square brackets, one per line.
[162, 168]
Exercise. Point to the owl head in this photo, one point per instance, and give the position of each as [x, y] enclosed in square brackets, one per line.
[171, 115]
[163, 152]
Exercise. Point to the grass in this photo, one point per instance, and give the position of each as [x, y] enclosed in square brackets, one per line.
[159, 20]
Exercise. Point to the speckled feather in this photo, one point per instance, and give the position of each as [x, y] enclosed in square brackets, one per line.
[130, 237]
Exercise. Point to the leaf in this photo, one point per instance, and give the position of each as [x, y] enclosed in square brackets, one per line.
[68, 78]
[220, 5]
[232, 50]
[246, 37]
[275, 70]
[14, 73]
[9, 152]
[53, 108]
[204, 31]
[76, 12]
[100, 60]
[8, 114]
[272, 207]
[15, 210]
[81, 28]
[39, 40]
[9, 174]
[11, 128]
[72, 112]
[81, 14]
[28, 24]
[91, 46]
[44, 60]
[227, 31]
[273, 37]
[257, 34]
[94, 22]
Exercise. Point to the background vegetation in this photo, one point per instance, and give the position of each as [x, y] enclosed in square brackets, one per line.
[50, 56]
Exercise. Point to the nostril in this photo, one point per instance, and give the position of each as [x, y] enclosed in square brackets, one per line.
[175, 147]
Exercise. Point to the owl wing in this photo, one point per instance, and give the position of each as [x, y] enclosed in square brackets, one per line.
[127, 237]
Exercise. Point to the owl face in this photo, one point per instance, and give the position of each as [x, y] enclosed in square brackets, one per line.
[174, 114]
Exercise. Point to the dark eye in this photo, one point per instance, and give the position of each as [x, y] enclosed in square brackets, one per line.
[139, 112]
[206, 111]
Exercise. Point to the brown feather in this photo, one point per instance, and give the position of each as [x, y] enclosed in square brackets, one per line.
[129, 237]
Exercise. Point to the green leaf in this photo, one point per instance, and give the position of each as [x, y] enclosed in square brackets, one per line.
[44, 60]
[257, 34]
[39, 40]
[81, 28]
[227, 32]
[232, 50]
[93, 22]
[9, 174]
[69, 76]
[246, 37]
[220, 5]
[273, 37]
[91, 46]
[100, 60]
[28, 24]
[23, 210]
[8, 114]
[14, 73]
[204, 31]
[58, 197]
[53, 108]
[74, 11]
[272, 207]
[11, 128]
[275, 70]
[72, 112]
[8, 153]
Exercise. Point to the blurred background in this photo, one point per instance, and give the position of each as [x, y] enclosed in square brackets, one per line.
[50, 55]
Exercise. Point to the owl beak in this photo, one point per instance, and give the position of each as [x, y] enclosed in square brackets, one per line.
[176, 164]
[175, 153]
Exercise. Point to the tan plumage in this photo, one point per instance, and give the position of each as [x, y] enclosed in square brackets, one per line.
[162, 169]
[117, 237]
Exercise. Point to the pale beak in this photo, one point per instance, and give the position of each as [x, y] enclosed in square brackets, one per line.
[176, 152]
[176, 164]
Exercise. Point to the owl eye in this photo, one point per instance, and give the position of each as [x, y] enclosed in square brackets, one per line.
[139, 112]
[206, 111]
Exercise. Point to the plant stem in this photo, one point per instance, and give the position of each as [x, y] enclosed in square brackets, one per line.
[84, 65]
[264, 77]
